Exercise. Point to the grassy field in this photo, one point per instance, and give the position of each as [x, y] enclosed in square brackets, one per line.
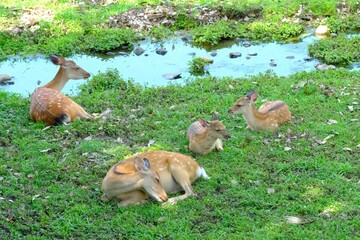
[300, 182]
[50, 179]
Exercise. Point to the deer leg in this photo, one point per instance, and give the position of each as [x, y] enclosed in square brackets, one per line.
[219, 145]
[182, 178]
[134, 197]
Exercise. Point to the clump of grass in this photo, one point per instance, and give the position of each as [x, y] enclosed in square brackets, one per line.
[103, 40]
[349, 24]
[213, 34]
[197, 66]
[341, 50]
[273, 31]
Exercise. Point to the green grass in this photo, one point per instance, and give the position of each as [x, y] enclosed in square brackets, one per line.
[84, 28]
[51, 179]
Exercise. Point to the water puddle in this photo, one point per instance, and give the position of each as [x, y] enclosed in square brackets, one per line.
[149, 68]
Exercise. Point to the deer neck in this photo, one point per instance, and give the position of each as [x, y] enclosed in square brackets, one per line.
[133, 182]
[207, 139]
[253, 116]
[59, 80]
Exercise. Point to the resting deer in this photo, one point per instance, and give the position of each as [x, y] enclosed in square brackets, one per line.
[204, 136]
[269, 116]
[155, 174]
[49, 105]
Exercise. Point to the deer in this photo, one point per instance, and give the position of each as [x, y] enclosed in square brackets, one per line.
[204, 136]
[151, 174]
[269, 116]
[49, 105]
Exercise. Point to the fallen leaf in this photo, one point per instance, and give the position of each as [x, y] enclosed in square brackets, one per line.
[35, 196]
[351, 108]
[331, 121]
[347, 149]
[270, 190]
[151, 142]
[286, 149]
[257, 182]
[325, 139]
[294, 220]
[234, 182]
[88, 138]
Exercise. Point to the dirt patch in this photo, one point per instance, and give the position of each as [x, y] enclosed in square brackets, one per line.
[29, 19]
[148, 17]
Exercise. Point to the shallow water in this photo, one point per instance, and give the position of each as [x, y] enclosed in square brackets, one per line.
[148, 69]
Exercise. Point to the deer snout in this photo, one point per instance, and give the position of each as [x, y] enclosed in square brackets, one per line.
[163, 198]
[86, 75]
[230, 111]
[227, 136]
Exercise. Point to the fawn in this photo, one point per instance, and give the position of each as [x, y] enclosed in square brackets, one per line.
[49, 105]
[269, 116]
[204, 136]
[155, 174]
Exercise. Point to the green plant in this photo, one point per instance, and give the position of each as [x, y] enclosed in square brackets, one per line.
[197, 66]
[103, 40]
[341, 50]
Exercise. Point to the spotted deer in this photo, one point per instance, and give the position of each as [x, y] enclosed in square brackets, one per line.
[49, 105]
[204, 136]
[269, 116]
[151, 174]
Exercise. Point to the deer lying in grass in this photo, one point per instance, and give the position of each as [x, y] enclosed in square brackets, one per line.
[269, 116]
[155, 174]
[49, 105]
[204, 136]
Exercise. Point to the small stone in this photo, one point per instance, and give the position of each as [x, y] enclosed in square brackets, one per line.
[308, 59]
[4, 78]
[273, 64]
[246, 44]
[253, 54]
[125, 54]
[138, 51]
[235, 54]
[161, 51]
[207, 60]
[213, 54]
[322, 30]
[172, 76]
[290, 57]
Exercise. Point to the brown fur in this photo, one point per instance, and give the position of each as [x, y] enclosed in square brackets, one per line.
[205, 136]
[125, 183]
[49, 105]
[269, 116]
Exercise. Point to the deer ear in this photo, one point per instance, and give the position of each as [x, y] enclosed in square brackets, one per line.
[249, 94]
[203, 122]
[254, 96]
[54, 59]
[142, 165]
[214, 117]
[57, 60]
